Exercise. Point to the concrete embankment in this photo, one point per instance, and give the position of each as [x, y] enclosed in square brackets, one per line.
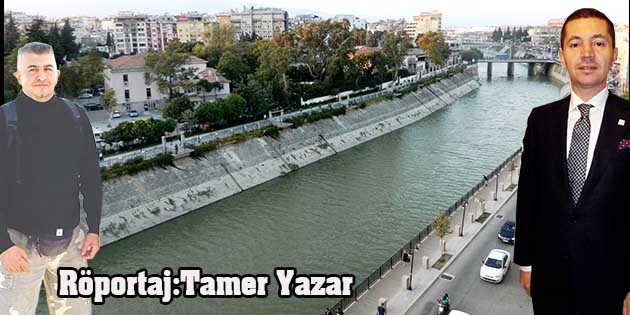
[134, 203]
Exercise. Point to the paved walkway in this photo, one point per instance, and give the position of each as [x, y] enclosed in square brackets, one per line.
[391, 287]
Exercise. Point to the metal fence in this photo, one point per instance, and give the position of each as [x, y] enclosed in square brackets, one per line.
[193, 141]
[390, 263]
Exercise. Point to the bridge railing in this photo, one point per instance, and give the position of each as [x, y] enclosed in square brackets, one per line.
[389, 264]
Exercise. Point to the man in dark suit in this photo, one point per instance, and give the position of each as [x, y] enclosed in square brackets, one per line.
[573, 210]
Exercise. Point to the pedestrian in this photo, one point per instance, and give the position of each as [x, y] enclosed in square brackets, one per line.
[47, 147]
[380, 310]
[572, 205]
[405, 256]
[339, 311]
[176, 147]
[328, 312]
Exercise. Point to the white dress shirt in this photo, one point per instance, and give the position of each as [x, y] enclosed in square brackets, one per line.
[596, 115]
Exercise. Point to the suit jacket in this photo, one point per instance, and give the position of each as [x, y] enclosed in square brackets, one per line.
[580, 254]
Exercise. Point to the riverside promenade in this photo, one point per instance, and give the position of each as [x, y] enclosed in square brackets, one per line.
[391, 287]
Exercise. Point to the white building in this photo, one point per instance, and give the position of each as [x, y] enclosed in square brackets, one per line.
[263, 22]
[424, 22]
[125, 75]
[303, 19]
[355, 22]
[130, 33]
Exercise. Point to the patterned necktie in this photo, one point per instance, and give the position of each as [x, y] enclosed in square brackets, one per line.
[578, 152]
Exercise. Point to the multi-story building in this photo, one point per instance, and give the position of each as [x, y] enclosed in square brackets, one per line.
[263, 22]
[126, 76]
[424, 22]
[355, 22]
[161, 30]
[192, 27]
[130, 33]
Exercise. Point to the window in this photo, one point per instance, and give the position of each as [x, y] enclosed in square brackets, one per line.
[148, 92]
[125, 78]
[126, 94]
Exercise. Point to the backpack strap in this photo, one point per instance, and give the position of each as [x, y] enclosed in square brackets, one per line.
[13, 139]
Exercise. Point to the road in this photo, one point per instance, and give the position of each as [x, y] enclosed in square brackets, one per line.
[470, 294]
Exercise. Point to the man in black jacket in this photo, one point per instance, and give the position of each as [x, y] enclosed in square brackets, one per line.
[49, 168]
[573, 210]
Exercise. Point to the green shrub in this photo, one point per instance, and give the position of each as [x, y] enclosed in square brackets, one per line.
[136, 165]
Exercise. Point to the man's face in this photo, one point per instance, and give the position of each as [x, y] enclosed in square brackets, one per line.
[37, 74]
[587, 53]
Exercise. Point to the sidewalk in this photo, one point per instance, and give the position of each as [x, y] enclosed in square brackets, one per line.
[392, 288]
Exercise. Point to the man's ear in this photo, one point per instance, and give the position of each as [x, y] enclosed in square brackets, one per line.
[615, 53]
[16, 74]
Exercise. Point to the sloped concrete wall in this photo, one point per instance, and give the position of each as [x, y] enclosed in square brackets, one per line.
[134, 203]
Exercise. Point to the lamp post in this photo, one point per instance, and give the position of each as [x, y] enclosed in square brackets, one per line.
[461, 232]
[412, 251]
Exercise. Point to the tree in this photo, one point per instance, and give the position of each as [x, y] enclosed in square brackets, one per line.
[35, 33]
[220, 35]
[176, 106]
[70, 48]
[109, 42]
[167, 69]
[91, 68]
[233, 108]
[359, 36]
[70, 80]
[440, 226]
[274, 58]
[233, 67]
[11, 36]
[11, 86]
[109, 99]
[259, 98]
[54, 40]
[320, 42]
[209, 114]
[507, 35]
[472, 54]
[374, 38]
[435, 46]
[395, 50]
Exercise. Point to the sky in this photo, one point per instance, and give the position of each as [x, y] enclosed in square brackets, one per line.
[454, 12]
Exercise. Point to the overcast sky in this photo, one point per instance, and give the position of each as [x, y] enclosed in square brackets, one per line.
[455, 12]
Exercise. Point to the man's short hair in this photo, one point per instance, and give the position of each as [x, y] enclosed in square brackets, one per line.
[35, 48]
[588, 13]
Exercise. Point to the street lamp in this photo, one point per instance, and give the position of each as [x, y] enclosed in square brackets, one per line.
[412, 251]
[461, 232]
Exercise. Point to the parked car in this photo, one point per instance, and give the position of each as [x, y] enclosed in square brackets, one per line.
[495, 266]
[116, 114]
[92, 106]
[85, 96]
[133, 113]
[507, 232]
